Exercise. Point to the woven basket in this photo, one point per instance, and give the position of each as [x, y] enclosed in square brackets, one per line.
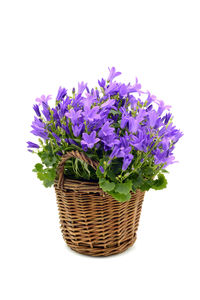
[93, 223]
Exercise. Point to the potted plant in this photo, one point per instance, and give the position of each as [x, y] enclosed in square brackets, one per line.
[102, 149]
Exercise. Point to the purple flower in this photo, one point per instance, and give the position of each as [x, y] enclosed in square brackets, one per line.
[149, 108]
[58, 139]
[124, 120]
[97, 93]
[91, 114]
[74, 115]
[165, 143]
[77, 129]
[112, 88]
[159, 156]
[39, 128]
[66, 128]
[140, 141]
[101, 169]
[122, 148]
[161, 106]
[123, 90]
[112, 74]
[133, 102]
[177, 135]
[61, 93]
[55, 114]
[108, 137]
[166, 118]
[108, 104]
[126, 162]
[37, 110]
[163, 157]
[59, 153]
[162, 131]
[133, 124]
[106, 130]
[170, 160]
[89, 140]
[32, 145]
[116, 119]
[91, 99]
[173, 133]
[71, 142]
[102, 83]
[63, 106]
[150, 98]
[141, 115]
[46, 111]
[135, 88]
[153, 116]
[110, 141]
[81, 87]
[43, 99]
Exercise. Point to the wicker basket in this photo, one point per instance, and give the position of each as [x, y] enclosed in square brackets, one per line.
[93, 223]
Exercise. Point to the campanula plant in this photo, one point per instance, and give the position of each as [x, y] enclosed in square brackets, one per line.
[127, 130]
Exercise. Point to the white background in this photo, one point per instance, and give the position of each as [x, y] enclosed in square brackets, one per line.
[45, 44]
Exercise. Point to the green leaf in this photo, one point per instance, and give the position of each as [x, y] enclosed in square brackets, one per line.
[148, 171]
[47, 176]
[41, 176]
[116, 166]
[120, 197]
[38, 168]
[50, 161]
[137, 181]
[106, 185]
[48, 183]
[164, 171]
[111, 175]
[47, 156]
[160, 183]
[115, 112]
[123, 188]
[116, 125]
[51, 174]
[78, 140]
[93, 156]
[147, 184]
[72, 147]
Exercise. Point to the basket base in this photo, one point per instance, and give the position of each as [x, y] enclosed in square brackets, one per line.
[98, 252]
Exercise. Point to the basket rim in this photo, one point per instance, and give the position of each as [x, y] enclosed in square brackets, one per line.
[80, 185]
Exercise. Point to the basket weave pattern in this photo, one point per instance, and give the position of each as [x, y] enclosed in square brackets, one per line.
[93, 223]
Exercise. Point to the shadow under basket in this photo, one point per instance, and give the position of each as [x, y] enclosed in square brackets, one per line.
[94, 223]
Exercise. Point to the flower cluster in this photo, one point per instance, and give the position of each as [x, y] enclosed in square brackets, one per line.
[129, 131]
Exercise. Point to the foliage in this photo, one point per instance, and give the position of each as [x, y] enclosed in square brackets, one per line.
[128, 131]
